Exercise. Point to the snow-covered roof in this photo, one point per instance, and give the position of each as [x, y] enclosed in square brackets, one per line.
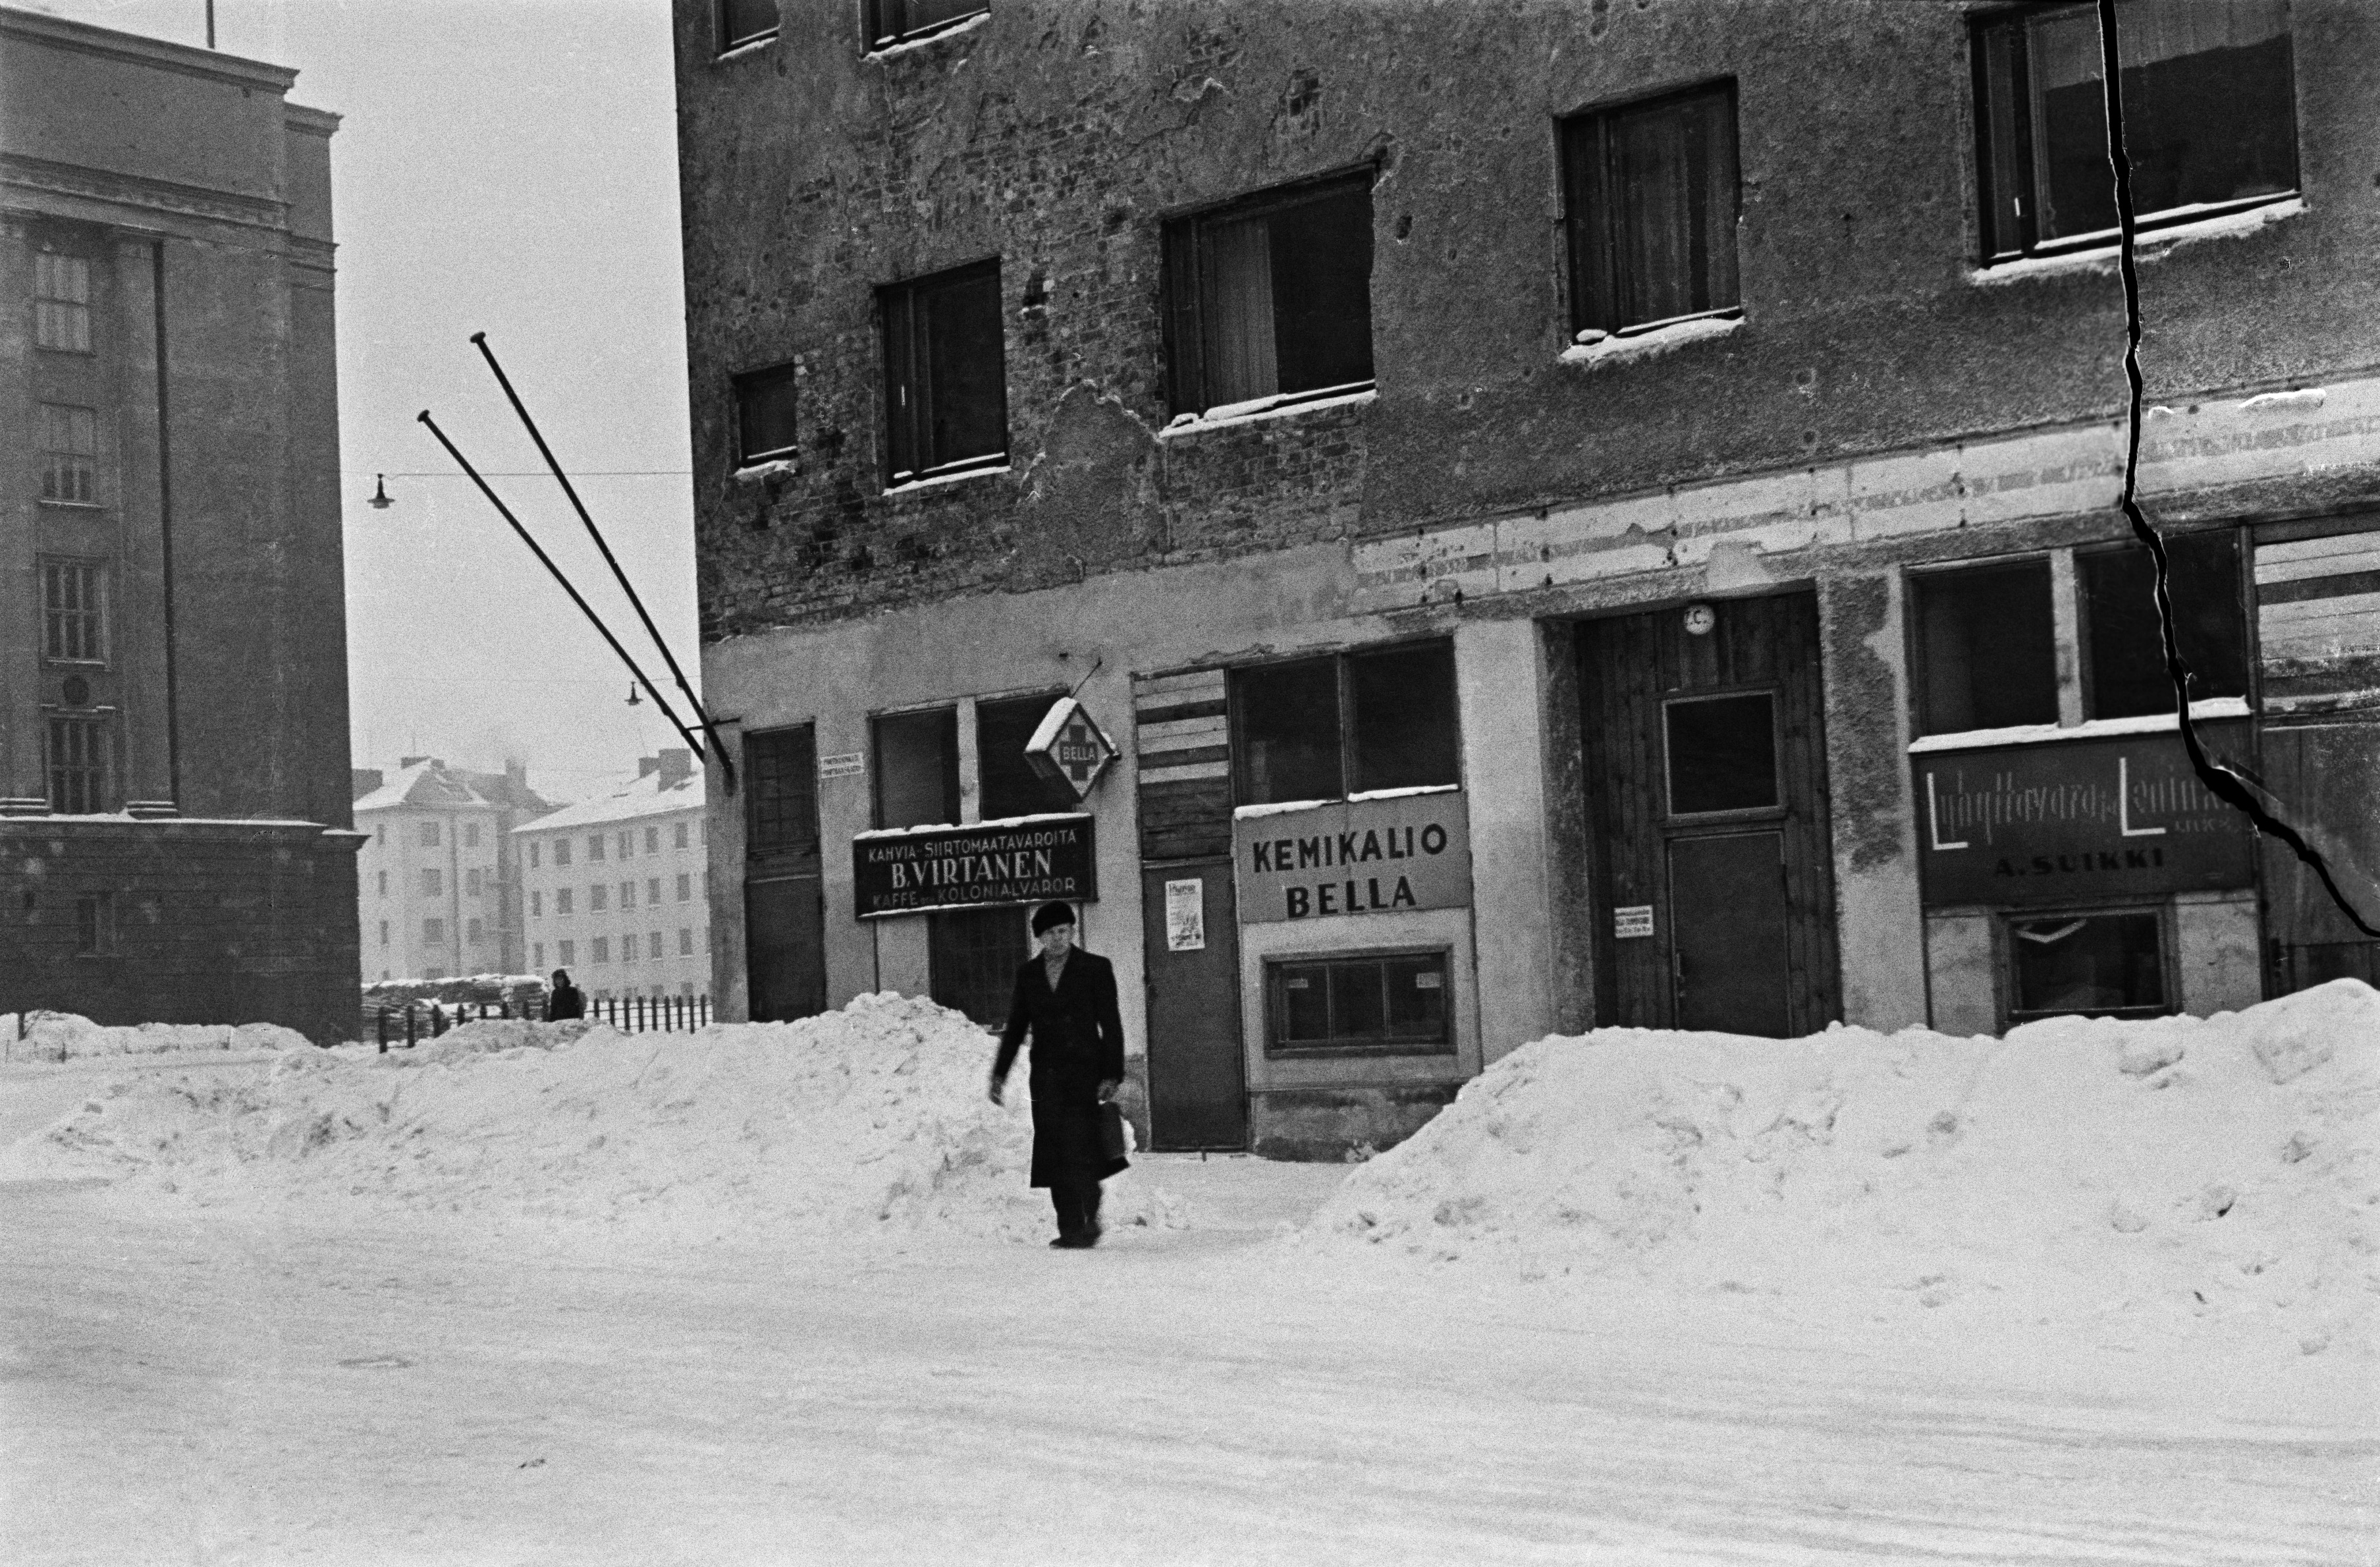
[644, 797]
[427, 782]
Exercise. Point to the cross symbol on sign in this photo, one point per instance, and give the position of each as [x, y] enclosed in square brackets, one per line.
[1084, 763]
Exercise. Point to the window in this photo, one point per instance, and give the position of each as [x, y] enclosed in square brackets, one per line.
[1271, 296]
[2125, 672]
[1986, 649]
[73, 629]
[594, 845]
[684, 887]
[537, 903]
[652, 890]
[743, 21]
[533, 859]
[78, 769]
[764, 416]
[686, 941]
[945, 377]
[62, 303]
[1009, 784]
[430, 834]
[654, 945]
[562, 900]
[472, 932]
[602, 949]
[434, 931]
[916, 768]
[653, 840]
[2101, 965]
[69, 448]
[94, 924]
[628, 844]
[783, 795]
[537, 955]
[384, 932]
[565, 952]
[2209, 118]
[1372, 1002]
[433, 881]
[681, 835]
[1649, 193]
[596, 895]
[1318, 729]
[383, 883]
[627, 894]
[895, 21]
[470, 834]
[1722, 753]
[561, 850]
[470, 884]
[973, 955]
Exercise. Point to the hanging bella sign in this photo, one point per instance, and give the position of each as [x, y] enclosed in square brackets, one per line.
[1380, 855]
[1069, 749]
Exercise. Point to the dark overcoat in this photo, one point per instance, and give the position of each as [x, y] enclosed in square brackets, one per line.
[1077, 1044]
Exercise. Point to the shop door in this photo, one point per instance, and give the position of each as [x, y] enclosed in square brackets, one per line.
[1710, 879]
[784, 909]
[1198, 1082]
[785, 948]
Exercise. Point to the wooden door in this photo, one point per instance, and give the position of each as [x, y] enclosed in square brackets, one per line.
[1197, 1080]
[1705, 762]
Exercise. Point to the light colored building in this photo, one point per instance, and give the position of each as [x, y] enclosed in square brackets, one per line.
[438, 884]
[616, 890]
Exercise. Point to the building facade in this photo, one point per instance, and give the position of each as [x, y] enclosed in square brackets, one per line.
[1570, 516]
[438, 884]
[617, 887]
[175, 836]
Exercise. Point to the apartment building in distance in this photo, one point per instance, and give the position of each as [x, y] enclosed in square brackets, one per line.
[617, 890]
[1569, 515]
[438, 885]
[174, 834]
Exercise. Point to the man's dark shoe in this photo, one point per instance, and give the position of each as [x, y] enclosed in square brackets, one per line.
[1072, 1242]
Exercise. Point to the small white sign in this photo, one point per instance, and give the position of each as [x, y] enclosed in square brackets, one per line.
[1628, 924]
[1185, 916]
[851, 764]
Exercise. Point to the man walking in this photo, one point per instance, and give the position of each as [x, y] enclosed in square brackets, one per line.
[1066, 999]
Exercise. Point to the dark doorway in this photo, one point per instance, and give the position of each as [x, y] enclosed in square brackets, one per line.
[1197, 1080]
[1710, 881]
[784, 909]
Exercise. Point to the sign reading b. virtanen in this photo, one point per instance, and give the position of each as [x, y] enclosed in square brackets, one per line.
[1022, 861]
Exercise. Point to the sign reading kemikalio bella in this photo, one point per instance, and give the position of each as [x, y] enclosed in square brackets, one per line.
[1354, 856]
[1025, 860]
[2078, 820]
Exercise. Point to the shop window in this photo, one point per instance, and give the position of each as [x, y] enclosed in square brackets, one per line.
[739, 22]
[1317, 729]
[1650, 193]
[73, 624]
[1009, 784]
[1987, 647]
[1722, 753]
[62, 302]
[2125, 673]
[1271, 296]
[70, 450]
[2209, 117]
[898, 22]
[974, 956]
[1389, 1003]
[2094, 965]
[79, 766]
[945, 374]
[917, 768]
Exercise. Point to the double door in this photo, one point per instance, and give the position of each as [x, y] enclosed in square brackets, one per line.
[1710, 880]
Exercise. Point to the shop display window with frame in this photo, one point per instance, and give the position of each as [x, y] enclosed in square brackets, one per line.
[917, 770]
[2088, 963]
[1324, 728]
[1374, 1002]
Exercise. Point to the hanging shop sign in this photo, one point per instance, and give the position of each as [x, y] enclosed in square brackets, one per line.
[1379, 856]
[2062, 822]
[1024, 861]
[1069, 748]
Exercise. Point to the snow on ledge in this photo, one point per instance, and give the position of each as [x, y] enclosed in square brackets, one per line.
[2094, 729]
[939, 480]
[995, 824]
[784, 468]
[2303, 399]
[912, 46]
[1279, 808]
[1647, 345]
[749, 47]
[1281, 405]
[2103, 258]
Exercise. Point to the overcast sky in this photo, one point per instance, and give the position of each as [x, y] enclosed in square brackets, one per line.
[506, 167]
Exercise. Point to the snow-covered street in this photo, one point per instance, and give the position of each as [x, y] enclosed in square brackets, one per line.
[595, 1299]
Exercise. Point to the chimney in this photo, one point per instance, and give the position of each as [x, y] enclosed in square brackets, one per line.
[409, 761]
[648, 766]
[676, 767]
[365, 779]
[517, 775]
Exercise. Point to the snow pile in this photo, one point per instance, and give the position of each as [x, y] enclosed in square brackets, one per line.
[63, 1036]
[2079, 1168]
[858, 1119]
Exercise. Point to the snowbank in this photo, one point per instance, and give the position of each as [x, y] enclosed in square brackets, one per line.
[869, 1118]
[2119, 1171]
[63, 1036]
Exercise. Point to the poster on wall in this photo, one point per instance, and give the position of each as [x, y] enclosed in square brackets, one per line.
[1185, 916]
[2070, 821]
[1380, 855]
[1027, 861]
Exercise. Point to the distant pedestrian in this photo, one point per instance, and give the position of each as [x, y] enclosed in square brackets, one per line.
[564, 1000]
[1066, 999]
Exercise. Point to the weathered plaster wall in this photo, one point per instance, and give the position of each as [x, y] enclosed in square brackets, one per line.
[2217, 948]
[1878, 912]
[1058, 136]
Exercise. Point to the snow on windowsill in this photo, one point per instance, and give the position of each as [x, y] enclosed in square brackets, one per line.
[1279, 405]
[1280, 808]
[997, 823]
[749, 47]
[2103, 257]
[782, 467]
[1609, 349]
[2094, 729]
[937, 481]
[911, 46]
